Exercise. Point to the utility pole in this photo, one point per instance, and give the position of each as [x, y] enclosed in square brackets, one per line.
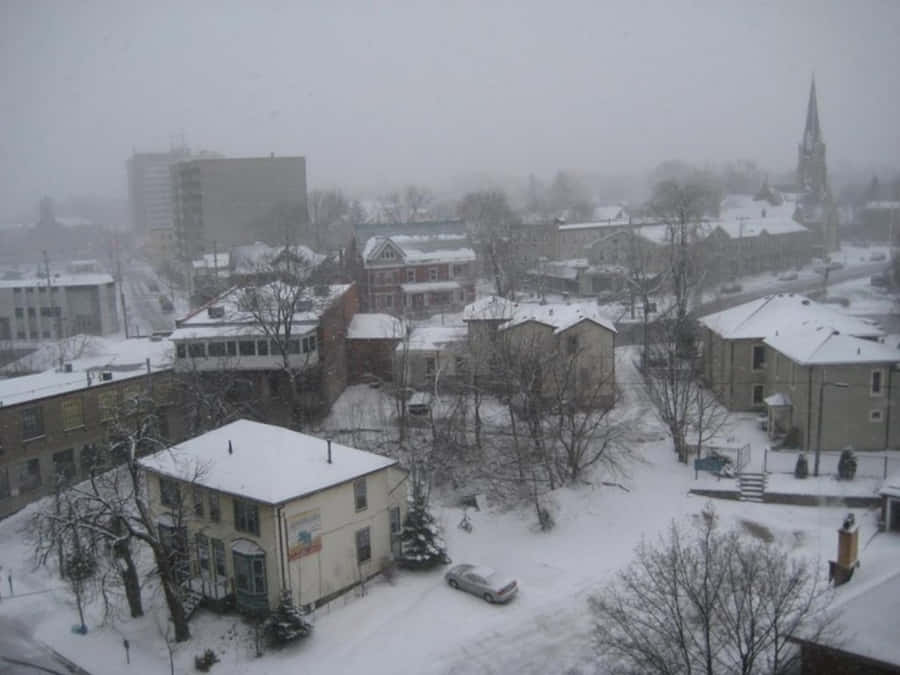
[121, 287]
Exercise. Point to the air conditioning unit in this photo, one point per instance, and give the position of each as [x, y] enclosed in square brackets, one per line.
[216, 312]
[106, 376]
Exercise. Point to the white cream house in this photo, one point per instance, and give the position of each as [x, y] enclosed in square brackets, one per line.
[261, 508]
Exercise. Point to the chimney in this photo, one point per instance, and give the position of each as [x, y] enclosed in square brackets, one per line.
[328, 441]
[230, 449]
[841, 570]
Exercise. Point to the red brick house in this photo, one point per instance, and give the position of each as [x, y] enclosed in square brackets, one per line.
[417, 275]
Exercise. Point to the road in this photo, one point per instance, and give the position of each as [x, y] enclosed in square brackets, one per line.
[798, 286]
[21, 654]
[145, 315]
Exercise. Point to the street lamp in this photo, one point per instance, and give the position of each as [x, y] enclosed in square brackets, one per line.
[824, 383]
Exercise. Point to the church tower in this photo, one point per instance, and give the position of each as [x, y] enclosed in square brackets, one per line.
[817, 210]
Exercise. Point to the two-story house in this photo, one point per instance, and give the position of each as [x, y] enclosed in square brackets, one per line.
[253, 330]
[259, 509]
[830, 390]
[733, 342]
[573, 343]
[55, 424]
[418, 275]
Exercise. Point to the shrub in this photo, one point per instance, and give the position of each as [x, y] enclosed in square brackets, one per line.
[847, 464]
[801, 469]
[205, 662]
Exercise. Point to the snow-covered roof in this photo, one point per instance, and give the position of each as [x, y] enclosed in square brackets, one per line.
[267, 463]
[489, 308]
[736, 207]
[430, 286]
[433, 338]
[777, 400]
[609, 212]
[235, 320]
[375, 327]
[123, 359]
[883, 205]
[59, 280]
[765, 316]
[754, 227]
[822, 345]
[423, 249]
[864, 621]
[251, 258]
[212, 261]
[560, 316]
[561, 269]
[891, 486]
[598, 225]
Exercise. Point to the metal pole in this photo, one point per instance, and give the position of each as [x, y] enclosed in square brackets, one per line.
[819, 428]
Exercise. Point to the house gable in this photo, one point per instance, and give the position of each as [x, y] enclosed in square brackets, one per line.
[386, 253]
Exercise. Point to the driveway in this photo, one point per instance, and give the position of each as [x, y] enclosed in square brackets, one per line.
[21, 654]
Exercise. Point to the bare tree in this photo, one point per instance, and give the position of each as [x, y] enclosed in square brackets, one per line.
[708, 601]
[326, 207]
[490, 217]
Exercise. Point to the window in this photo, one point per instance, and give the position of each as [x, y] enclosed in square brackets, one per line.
[876, 389]
[246, 517]
[180, 350]
[363, 545]
[571, 344]
[262, 347]
[232, 349]
[197, 350]
[410, 275]
[218, 551]
[198, 501]
[875, 415]
[309, 344]
[29, 475]
[202, 552]
[247, 348]
[20, 312]
[396, 525]
[90, 459]
[64, 469]
[32, 423]
[429, 366]
[72, 414]
[459, 270]
[759, 357]
[250, 573]
[758, 393]
[215, 511]
[360, 496]
[169, 493]
[293, 346]
[217, 349]
[31, 311]
[432, 274]
[460, 365]
[388, 254]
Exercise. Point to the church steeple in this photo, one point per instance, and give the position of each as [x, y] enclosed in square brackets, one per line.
[812, 134]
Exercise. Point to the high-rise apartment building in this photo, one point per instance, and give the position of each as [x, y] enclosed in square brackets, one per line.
[220, 203]
[150, 189]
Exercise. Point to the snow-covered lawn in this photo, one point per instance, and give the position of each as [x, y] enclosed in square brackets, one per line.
[416, 624]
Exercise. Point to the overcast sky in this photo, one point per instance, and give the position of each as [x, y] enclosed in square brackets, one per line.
[389, 91]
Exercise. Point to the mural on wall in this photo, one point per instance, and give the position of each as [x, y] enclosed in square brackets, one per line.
[304, 531]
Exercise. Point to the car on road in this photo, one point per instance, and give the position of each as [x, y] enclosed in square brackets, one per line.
[878, 256]
[787, 276]
[732, 287]
[482, 581]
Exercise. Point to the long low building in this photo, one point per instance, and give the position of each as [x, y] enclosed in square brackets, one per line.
[52, 308]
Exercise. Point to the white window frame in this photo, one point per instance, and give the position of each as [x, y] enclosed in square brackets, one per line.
[433, 274]
[410, 276]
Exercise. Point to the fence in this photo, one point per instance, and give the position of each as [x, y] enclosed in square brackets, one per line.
[868, 464]
[740, 457]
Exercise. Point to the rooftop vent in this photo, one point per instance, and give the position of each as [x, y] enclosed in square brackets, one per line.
[216, 312]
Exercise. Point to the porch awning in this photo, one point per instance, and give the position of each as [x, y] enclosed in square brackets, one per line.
[778, 400]
[430, 287]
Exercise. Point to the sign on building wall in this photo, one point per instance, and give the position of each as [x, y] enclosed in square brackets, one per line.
[304, 531]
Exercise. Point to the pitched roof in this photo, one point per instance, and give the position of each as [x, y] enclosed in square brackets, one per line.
[765, 316]
[433, 338]
[267, 463]
[422, 249]
[375, 327]
[822, 345]
[560, 316]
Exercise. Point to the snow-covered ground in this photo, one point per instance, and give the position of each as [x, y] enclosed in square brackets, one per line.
[415, 623]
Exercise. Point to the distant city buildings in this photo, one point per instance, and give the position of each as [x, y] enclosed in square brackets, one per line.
[45, 309]
[150, 190]
[223, 202]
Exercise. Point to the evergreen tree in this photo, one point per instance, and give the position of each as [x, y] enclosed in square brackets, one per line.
[422, 546]
[287, 623]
